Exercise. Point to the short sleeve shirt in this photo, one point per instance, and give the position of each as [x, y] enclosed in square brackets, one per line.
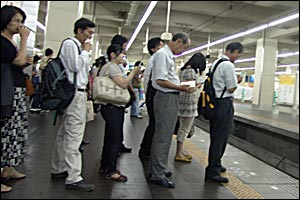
[224, 76]
[164, 68]
[110, 70]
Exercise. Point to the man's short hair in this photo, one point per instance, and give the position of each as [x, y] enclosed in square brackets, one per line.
[234, 46]
[36, 58]
[83, 23]
[48, 52]
[119, 39]
[183, 36]
[152, 43]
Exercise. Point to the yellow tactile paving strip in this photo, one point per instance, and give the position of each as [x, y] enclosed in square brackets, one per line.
[235, 185]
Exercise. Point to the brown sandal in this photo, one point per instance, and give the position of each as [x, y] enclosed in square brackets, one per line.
[116, 176]
[105, 171]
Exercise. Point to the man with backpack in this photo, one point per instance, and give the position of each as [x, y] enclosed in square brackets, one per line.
[66, 160]
[224, 83]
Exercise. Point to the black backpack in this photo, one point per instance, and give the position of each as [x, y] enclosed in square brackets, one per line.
[56, 90]
[207, 102]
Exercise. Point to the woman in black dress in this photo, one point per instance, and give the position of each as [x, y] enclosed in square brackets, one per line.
[14, 125]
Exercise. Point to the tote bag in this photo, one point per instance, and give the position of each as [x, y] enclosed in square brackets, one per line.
[105, 90]
[89, 111]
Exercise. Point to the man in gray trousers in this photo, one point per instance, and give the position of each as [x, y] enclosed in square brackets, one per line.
[166, 99]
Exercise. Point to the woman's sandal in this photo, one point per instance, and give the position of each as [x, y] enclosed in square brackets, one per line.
[182, 159]
[105, 171]
[116, 176]
[188, 156]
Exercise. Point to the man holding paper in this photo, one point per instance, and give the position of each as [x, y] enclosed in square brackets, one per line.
[165, 104]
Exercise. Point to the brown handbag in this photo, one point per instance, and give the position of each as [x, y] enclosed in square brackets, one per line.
[29, 87]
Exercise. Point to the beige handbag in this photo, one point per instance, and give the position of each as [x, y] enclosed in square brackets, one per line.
[105, 90]
[89, 111]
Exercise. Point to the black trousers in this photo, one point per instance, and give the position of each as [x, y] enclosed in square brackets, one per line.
[114, 118]
[220, 129]
[145, 147]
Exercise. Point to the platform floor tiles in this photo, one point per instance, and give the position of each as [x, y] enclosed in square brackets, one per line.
[249, 177]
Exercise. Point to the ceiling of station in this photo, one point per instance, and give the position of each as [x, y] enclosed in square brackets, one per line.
[201, 20]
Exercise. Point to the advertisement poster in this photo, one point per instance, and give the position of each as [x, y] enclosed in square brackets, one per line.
[286, 89]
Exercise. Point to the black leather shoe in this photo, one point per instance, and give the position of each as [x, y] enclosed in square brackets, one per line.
[219, 179]
[60, 175]
[85, 142]
[223, 169]
[164, 183]
[81, 186]
[125, 149]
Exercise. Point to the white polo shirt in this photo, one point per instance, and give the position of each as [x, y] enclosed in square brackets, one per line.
[224, 76]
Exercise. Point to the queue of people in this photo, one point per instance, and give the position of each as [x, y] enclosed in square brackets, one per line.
[165, 93]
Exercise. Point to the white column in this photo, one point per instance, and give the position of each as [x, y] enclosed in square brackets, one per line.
[60, 20]
[264, 73]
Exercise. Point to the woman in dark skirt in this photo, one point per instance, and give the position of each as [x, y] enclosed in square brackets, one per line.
[14, 121]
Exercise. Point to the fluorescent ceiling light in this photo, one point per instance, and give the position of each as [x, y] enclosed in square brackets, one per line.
[245, 60]
[287, 54]
[286, 19]
[141, 23]
[237, 35]
[284, 55]
[40, 25]
[290, 65]
[244, 68]
[248, 68]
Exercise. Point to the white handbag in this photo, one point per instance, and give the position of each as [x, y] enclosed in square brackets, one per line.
[105, 90]
[89, 111]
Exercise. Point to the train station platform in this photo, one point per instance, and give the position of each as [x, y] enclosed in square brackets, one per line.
[271, 136]
[249, 177]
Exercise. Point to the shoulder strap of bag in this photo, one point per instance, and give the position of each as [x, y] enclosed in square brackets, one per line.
[75, 74]
[212, 73]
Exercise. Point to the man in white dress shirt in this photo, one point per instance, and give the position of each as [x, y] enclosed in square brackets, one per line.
[66, 160]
